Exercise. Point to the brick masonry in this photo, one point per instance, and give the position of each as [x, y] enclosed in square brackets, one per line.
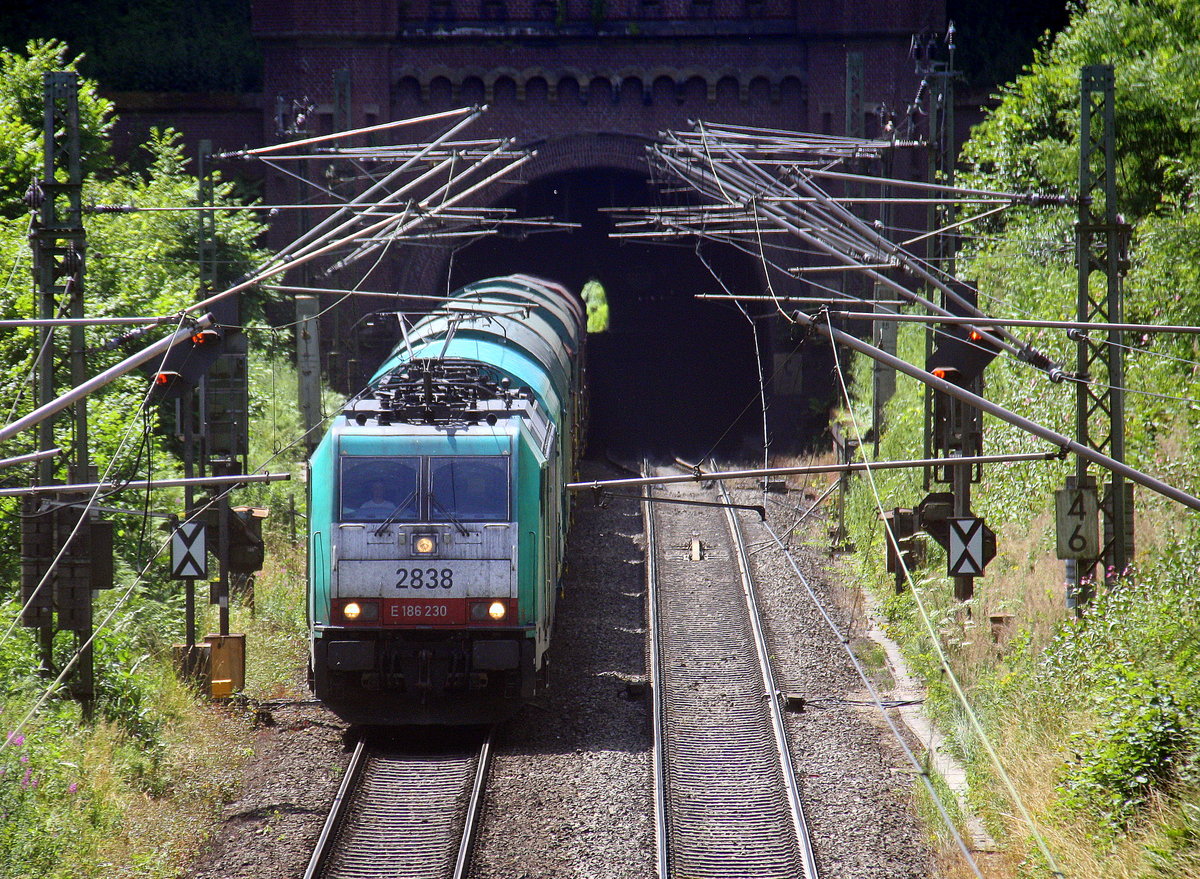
[586, 81]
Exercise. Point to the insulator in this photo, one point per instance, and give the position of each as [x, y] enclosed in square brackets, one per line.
[34, 196]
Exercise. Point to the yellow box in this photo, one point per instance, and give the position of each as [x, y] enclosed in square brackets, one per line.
[227, 664]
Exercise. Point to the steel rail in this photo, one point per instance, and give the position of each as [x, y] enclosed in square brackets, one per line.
[352, 132]
[273, 268]
[1006, 415]
[419, 297]
[322, 228]
[428, 211]
[1015, 197]
[920, 769]
[764, 663]
[336, 811]
[1015, 322]
[462, 863]
[658, 708]
[822, 270]
[836, 298]
[868, 234]
[86, 321]
[30, 457]
[751, 179]
[339, 839]
[789, 223]
[317, 239]
[197, 208]
[788, 133]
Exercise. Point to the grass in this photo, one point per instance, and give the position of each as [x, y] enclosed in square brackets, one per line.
[1095, 721]
[138, 793]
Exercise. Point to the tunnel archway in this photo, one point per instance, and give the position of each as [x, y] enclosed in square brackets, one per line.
[672, 375]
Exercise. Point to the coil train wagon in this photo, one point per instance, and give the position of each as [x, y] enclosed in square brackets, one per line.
[438, 513]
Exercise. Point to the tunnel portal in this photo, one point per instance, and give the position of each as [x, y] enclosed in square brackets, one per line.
[672, 375]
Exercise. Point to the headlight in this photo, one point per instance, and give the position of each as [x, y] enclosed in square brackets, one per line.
[424, 544]
[360, 611]
[488, 611]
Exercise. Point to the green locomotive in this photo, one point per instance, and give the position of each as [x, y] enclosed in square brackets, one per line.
[438, 514]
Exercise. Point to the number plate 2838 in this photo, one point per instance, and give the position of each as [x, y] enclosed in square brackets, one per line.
[424, 578]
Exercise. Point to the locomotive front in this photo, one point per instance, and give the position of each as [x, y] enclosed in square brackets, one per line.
[437, 525]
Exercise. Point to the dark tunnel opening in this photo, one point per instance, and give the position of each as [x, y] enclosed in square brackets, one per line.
[673, 374]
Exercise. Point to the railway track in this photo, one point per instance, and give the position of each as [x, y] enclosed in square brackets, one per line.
[727, 802]
[403, 814]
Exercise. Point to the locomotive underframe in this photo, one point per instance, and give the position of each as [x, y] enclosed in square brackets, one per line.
[424, 676]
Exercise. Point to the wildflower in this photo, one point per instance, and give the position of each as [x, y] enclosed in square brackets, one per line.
[16, 739]
[72, 787]
[26, 780]
[24, 758]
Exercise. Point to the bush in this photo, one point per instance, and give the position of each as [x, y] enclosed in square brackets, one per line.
[1147, 738]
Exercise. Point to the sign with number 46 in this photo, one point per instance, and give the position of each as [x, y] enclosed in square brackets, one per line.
[1078, 523]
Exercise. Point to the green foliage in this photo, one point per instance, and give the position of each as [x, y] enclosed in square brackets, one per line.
[1131, 661]
[1175, 853]
[1030, 141]
[1144, 734]
[22, 111]
[42, 799]
[142, 263]
[124, 691]
[276, 443]
[1117, 686]
[69, 790]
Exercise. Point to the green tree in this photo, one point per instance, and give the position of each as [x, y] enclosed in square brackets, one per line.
[1121, 680]
[22, 111]
[143, 262]
[1030, 140]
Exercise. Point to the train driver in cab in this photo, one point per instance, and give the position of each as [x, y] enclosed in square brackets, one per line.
[378, 505]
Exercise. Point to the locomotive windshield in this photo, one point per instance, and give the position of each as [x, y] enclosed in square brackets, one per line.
[467, 488]
[471, 489]
[375, 489]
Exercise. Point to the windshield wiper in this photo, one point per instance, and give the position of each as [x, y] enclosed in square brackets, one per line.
[462, 529]
[395, 514]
